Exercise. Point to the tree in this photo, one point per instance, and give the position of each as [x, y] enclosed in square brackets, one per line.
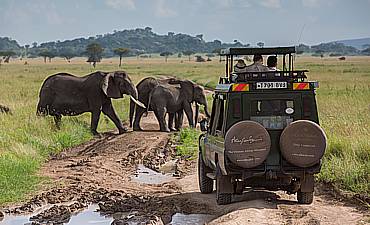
[260, 44]
[121, 52]
[7, 55]
[366, 51]
[26, 47]
[165, 54]
[34, 44]
[188, 53]
[67, 53]
[94, 52]
[218, 52]
[45, 53]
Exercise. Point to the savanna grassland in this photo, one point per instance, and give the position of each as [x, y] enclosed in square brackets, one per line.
[26, 141]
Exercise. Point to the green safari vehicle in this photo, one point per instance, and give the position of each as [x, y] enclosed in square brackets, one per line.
[263, 132]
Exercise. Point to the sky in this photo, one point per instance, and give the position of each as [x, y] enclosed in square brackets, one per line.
[274, 22]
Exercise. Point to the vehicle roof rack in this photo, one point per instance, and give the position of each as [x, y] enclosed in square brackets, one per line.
[261, 51]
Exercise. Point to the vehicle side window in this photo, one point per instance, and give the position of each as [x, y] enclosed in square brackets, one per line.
[218, 117]
[213, 114]
[220, 121]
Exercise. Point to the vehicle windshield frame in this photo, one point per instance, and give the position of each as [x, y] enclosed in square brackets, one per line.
[230, 53]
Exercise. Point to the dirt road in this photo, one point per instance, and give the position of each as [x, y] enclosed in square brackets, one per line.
[103, 172]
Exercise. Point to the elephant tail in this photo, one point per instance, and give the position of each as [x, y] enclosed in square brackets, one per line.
[132, 111]
[149, 101]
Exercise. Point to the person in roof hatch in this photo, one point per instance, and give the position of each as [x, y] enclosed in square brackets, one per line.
[240, 66]
[257, 65]
[272, 63]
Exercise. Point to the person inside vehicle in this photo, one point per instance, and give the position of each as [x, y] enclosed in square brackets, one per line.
[272, 63]
[240, 66]
[257, 65]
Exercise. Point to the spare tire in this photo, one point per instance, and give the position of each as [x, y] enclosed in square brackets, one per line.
[303, 143]
[247, 144]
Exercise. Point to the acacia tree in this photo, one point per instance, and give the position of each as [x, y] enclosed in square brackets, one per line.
[7, 55]
[260, 44]
[45, 53]
[217, 51]
[94, 52]
[121, 52]
[67, 53]
[165, 54]
[188, 53]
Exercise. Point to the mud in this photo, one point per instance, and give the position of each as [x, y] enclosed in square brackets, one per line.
[97, 179]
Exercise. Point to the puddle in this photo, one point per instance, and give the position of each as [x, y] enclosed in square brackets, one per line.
[149, 176]
[191, 219]
[87, 216]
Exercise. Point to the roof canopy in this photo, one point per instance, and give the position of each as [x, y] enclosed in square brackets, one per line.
[260, 51]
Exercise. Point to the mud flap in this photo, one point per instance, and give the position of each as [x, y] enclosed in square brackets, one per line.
[224, 184]
[307, 185]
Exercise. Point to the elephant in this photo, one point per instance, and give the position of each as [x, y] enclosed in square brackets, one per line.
[64, 94]
[170, 99]
[144, 87]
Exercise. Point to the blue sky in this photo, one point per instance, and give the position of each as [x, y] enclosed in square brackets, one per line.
[275, 22]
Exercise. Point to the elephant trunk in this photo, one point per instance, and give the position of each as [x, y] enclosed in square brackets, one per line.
[206, 110]
[196, 114]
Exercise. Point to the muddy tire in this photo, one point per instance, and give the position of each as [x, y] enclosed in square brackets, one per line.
[205, 183]
[221, 198]
[305, 197]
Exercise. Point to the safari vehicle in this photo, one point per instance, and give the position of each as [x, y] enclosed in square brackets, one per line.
[263, 132]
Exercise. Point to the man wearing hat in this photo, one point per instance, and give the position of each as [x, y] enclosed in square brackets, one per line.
[240, 66]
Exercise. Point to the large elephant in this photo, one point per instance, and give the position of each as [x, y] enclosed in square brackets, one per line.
[144, 87]
[170, 99]
[63, 94]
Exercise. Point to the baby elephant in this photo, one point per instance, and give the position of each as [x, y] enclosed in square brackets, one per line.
[63, 94]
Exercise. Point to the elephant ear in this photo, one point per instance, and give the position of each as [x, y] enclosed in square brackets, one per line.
[110, 87]
[187, 88]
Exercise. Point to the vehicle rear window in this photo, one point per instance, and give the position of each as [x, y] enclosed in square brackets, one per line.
[272, 114]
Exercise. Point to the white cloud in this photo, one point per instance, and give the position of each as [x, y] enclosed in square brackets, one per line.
[311, 3]
[163, 10]
[121, 4]
[271, 3]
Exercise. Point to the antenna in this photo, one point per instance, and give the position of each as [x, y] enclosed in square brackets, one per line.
[300, 35]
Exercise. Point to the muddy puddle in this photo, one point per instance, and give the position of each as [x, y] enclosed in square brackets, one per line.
[191, 219]
[146, 175]
[87, 216]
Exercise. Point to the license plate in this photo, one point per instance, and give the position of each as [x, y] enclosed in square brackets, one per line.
[271, 85]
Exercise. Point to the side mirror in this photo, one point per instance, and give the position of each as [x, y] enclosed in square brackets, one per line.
[203, 125]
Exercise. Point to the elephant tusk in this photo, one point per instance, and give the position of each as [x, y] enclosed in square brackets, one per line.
[138, 102]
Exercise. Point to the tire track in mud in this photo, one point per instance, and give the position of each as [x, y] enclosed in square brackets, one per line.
[100, 172]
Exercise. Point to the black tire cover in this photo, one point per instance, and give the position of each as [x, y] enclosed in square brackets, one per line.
[303, 143]
[247, 144]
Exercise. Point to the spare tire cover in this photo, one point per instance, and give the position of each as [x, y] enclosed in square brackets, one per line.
[247, 144]
[303, 143]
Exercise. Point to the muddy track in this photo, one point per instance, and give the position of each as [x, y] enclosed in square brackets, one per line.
[102, 172]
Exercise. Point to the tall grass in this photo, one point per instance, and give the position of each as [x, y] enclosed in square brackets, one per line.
[26, 141]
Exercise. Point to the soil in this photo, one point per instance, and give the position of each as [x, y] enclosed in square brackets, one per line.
[101, 172]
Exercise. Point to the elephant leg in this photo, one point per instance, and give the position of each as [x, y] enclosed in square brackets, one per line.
[179, 119]
[160, 113]
[109, 111]
[171, 117]
[138, 114]
[57, 120]
[189, 114]
[95, 115]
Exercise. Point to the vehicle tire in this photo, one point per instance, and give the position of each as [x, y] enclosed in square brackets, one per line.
[205, 183]
[305, 197]
[221, 198]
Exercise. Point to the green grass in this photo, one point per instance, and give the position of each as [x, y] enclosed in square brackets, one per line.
[26, 141]
[187, 139]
